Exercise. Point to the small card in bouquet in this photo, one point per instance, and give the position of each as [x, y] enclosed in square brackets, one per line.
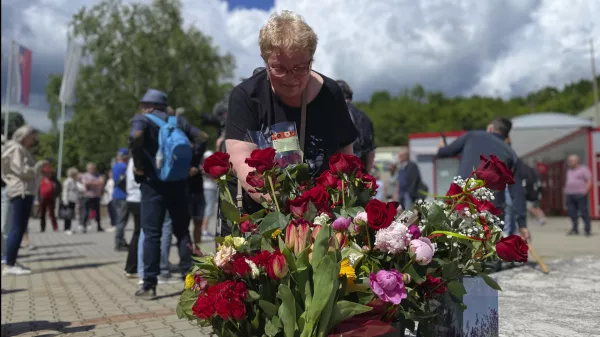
[283, 137]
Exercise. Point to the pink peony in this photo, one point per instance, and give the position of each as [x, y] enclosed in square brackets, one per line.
[414, 231]
[393, 239]
[423, 249]
[388, 286]
[341, 224]
[361, 218]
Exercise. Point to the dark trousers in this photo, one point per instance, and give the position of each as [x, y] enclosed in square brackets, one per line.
[71, 207]
[21, 209]
[122, 213]
[577, 205]
[90, 204]
[132, 259]
[112, 213]
[47, 205]
[157, 199]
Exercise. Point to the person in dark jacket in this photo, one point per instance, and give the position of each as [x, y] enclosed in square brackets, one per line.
[158, 196]
[472, 145]
[408, 181]
[364, 146]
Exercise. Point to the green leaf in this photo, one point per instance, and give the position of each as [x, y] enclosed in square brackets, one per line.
[271, 222]
[436, 214]
[457, 289]
[184, 305]
[352, 211]
[287, 310]
[414, 275]
[288, 256]
[343, 310]
[269, 308]
[253, 295]
[449, 270]
[490, 281]
[311, 212]
[321, 245]
[270, 329]
[325, 276]
[230, 212]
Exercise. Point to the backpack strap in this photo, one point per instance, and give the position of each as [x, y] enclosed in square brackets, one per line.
[155, 119]
[172, 120]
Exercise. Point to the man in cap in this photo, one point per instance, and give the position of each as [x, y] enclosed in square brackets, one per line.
[364, 146]
[119, 198]
[158, 196]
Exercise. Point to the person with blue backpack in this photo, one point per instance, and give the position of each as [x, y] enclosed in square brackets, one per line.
[162, 148]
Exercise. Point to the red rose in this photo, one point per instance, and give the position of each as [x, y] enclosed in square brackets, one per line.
[261, 259]
[277, 267]
[262, 160]
[344, 163]
[379, 214]
[255, 179]
[494, 173]
[454, 190]
[298, 206]
[247, 226]
[370, 182]
[217, 165]
[237, 309]
[222, 308]
[326, 179]
[433, 286]
[203, 308]
[512, 249]
[240, 267]
[319, 197]
[487, 205]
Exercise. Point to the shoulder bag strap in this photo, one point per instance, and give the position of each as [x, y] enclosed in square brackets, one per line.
[303, 123]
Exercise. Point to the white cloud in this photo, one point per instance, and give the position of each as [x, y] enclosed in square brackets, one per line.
[456, 46]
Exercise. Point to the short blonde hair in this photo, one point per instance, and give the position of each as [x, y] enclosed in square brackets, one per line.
[286, 32]
[72, 171]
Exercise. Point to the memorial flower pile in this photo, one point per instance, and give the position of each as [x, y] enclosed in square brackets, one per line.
[323, 258]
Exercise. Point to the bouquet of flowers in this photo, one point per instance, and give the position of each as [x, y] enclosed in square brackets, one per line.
[324, 258]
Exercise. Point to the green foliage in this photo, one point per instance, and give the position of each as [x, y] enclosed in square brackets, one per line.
[129, 48]
[15, 121]
[417, 110]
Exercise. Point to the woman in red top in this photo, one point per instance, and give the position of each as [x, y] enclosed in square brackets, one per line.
[47, 198]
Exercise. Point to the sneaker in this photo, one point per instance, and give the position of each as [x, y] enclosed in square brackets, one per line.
[572, 232]
[110, 229]
[16, 270]
[542, 221]
[205, 233]
[588, 234]
[146, 293]
[167, 280]
[100, 230]
[69, 232]
[129, 275]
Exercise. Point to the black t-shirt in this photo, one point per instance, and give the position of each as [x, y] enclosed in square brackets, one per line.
[253, 106]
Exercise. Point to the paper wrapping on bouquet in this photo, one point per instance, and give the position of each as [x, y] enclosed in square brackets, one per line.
[283, 137]
[367, 324]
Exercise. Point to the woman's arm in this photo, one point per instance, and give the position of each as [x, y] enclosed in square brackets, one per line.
[19, 166]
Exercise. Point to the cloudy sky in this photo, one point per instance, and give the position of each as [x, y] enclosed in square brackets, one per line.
[461, 47]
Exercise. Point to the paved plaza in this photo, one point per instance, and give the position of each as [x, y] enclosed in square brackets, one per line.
[78, 288]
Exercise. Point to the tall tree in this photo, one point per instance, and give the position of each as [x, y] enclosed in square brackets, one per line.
[15, 121]
[129, 48]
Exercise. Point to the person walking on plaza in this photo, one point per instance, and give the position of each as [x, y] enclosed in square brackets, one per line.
[577, 188]
[94, 186]
[119, 198]
[5, 211]
[47, 194]
[70, 197]
[409, 186]
[134, 196]
[21, 174]
[159, 196]
[472, 145]
[107, 200]
[364, 146]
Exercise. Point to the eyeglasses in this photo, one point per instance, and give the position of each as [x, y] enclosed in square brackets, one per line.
[297, 71]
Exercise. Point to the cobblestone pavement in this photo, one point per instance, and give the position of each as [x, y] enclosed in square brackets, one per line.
[78, 288]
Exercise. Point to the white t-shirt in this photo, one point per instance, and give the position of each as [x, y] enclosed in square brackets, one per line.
[209, 182]
[133, 189]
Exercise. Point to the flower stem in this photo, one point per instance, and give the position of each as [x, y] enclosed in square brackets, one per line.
[226, 188]
[407, 265]
[343, 195]
[273, 196]
[369, 238]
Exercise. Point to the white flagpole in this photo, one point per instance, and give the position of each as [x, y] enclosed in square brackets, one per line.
[8, 88]
[61, 140]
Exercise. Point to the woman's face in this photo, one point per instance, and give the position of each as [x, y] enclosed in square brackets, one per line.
[289, 73]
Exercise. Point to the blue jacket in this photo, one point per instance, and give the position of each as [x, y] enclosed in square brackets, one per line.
[118, 170]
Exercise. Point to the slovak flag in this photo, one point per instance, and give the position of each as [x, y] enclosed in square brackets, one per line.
[20, 74]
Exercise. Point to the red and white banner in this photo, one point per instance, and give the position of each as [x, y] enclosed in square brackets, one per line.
[20, 75]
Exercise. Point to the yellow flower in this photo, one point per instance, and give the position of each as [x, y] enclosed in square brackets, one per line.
[238, 242]
[276, 233]
[189, 281]
[348, 270]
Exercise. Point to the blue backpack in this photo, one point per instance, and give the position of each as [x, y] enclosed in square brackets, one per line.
[174, 153]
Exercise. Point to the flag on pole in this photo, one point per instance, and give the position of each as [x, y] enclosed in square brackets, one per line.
[20, 73]
[69, 81]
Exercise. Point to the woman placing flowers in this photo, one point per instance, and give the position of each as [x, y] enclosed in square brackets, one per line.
[277, 94]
